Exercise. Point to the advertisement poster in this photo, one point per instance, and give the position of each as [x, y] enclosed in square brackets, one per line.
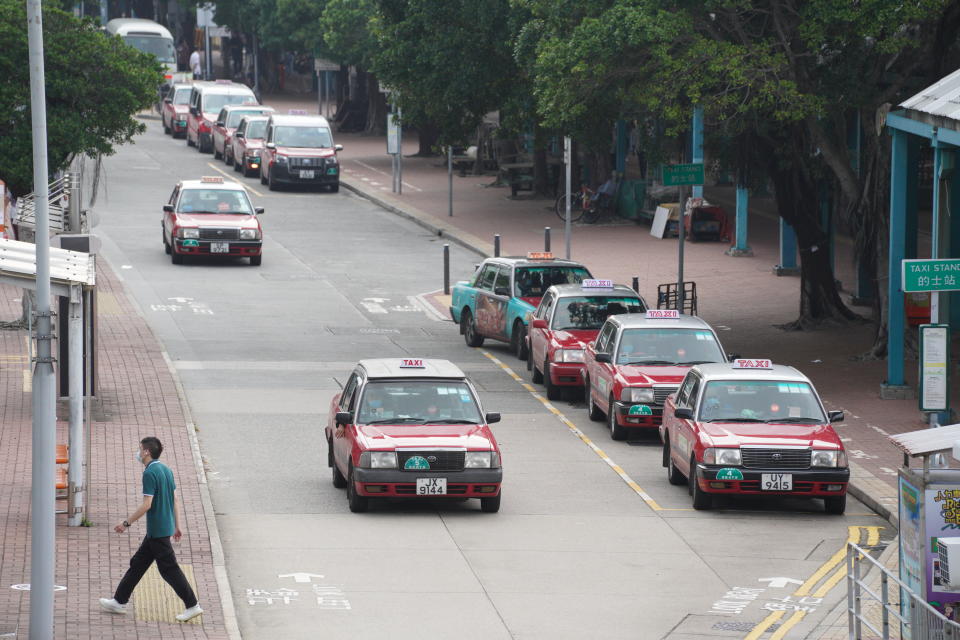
[934, 364]
[942, 515]
[911, 544]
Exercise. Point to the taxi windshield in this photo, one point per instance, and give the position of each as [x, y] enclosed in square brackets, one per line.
[668, 346]
[300, 136]
[590, 312]
[214, 201]
[214, 102]
[760, 401]
[234, 117]
[418, 402]
[182, 96]
[532, 282]
[256, 129]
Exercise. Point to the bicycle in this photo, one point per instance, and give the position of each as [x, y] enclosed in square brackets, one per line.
[577, 207]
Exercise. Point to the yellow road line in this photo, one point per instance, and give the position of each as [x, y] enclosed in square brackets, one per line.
[580, 434]
[221, 171]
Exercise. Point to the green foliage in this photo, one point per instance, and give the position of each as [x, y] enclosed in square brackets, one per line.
[347, 36]
[94, 86]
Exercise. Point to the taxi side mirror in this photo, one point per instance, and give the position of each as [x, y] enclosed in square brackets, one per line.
[343, 418]
[733, 356]
[835, 416]
[683, 413]
[490, 418]
[602, 357]
[538, 323]
[270, 145]
[193, 110]
[338, 147]
[168, 100]
[168, 208]
[258, 210]
[219, 123]
[501, 291]
[238, 134]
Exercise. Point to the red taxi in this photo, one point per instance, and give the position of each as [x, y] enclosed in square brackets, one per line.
[247, 145]
[752, 427]
[638, 360]
[226, 124]
[299, 149]
[206, 101]
[175, 110]
[412, 428]
[568, 317]
[211, 217]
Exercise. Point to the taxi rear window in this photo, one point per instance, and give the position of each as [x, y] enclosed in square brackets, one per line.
[532, 282]
[760, 401]
[416, 402]
[590, 312]
[214, 201]
[668, 346]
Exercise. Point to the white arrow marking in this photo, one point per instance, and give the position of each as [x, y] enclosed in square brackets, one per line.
[372, 305]
[181, 300]
[779, 583]
[300, 577]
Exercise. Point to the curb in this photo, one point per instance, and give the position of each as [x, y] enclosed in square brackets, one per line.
[465, 240]
[859, 475]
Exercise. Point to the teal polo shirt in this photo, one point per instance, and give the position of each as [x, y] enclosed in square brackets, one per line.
[158, 482]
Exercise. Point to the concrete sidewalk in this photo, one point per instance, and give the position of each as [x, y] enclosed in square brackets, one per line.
[137, 396]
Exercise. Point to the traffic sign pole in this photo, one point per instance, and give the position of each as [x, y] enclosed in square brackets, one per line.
[682, 234]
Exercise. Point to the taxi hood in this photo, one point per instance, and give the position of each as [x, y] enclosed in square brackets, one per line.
[254, 143]
[305, 152]
[634, 374]
[734, 434]
[181, 108]
[575, 338]
[386, 436]
[216, 220]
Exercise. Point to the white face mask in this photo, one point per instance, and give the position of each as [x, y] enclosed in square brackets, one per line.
[139, 456]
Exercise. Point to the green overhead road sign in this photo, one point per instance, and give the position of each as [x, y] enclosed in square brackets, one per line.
[931, 275]
[682, 174]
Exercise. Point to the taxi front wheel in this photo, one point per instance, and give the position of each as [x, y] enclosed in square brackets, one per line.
[835, 505]
[674, 476]
[617, 432]
[701, 499]
[491, 505]
[338, 480]
[357, 503]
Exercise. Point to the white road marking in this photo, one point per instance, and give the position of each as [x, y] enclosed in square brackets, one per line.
[375, 170]
[372, 305]
[300, 576]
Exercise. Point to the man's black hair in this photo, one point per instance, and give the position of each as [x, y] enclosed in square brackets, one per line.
[152, 445]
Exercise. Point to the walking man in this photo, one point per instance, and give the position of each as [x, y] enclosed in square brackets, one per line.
[163, 520]
[195, 65]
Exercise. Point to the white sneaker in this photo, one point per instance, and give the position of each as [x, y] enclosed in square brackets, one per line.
[190, 614]
[112, 605]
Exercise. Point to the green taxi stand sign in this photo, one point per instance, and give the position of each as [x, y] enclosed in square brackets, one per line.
[729, 474]
[191, 243]
[675, 175]
[641, 410]
[936, 274]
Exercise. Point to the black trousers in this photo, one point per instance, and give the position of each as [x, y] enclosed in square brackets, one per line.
[159, 550]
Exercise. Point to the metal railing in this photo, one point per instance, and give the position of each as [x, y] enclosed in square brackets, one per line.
[896, 612]
[58, 199]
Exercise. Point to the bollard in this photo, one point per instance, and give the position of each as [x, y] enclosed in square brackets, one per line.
[496, 245]
[446, 269]
[546, 239]
[636, 284]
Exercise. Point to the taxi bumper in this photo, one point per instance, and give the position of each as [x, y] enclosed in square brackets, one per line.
[470, 483]
[566, 374]
[315, 175]
[806, 482]
[178, 125]
[624, 419]
[236, 247]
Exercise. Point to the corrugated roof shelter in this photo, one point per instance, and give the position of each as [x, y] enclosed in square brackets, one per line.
[940, 101]
[18, 266]
[927, 441]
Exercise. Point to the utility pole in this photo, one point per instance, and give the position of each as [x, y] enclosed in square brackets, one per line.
[42, 490]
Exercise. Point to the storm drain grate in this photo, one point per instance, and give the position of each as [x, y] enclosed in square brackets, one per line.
[729, 625]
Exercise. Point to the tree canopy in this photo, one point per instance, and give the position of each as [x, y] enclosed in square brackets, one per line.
[94, 86]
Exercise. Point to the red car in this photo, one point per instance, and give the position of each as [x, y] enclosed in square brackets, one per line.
[247, 145]
[227, 121]
[299, 149]
[211, 217]
[639, 359]
[175, 110]
[570, 316]
[412, 428]
[206, 101]
[752, 427]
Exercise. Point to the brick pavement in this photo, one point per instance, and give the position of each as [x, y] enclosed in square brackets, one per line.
[138, 396]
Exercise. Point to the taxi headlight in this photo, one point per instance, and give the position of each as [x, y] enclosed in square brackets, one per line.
[249, 234]
[378, 460]
[637, 395]
[251, 154]
[568, 355]
[189, 233]
[332, 160]
[828, 458]
[726, 457]
[479, 460]
[281, 159]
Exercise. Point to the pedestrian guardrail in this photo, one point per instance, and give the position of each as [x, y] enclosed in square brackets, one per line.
[896, 612]
[58, 208]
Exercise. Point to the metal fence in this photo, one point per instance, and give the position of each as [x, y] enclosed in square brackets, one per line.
[879, 603]
[58, 198]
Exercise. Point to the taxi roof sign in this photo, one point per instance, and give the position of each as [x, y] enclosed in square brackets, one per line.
[296, 112]
[540, 255]
[212, 179]
[224, 81]
[663, 314]
[593, 283]
[410, 363]
[747, 363]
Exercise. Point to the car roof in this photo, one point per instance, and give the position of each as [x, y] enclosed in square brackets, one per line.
[181, 85]
[262, 107]
[726, 371]
[392, 368]
[523, 261]
[288, 119]
[227, 184]
[640, 321]
[568, 290]
[251, 118]
[223, 88]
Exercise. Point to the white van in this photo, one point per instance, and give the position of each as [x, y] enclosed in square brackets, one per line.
[149, 37]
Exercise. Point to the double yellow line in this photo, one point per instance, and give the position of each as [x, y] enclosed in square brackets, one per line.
[836, 564]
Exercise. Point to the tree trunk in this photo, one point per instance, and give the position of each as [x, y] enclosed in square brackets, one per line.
[376, 108]
[428, 137]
